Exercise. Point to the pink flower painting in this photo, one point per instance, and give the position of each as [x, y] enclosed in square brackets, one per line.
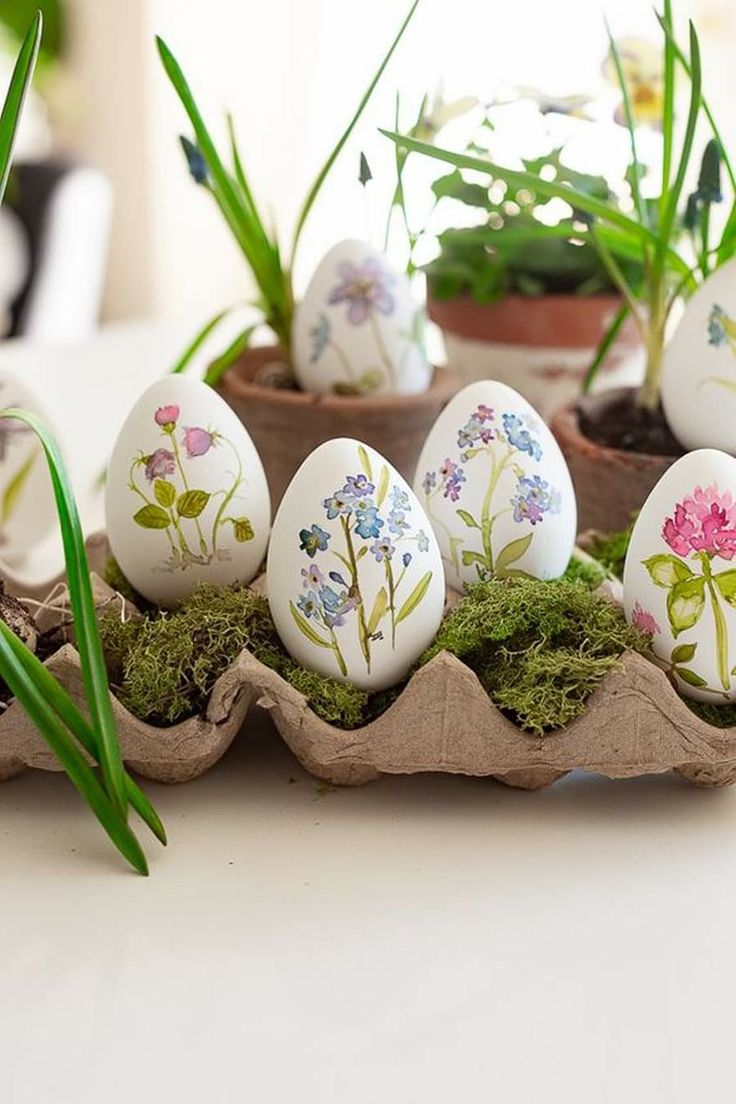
[167, 416]
[644, 620]
[197, 441]
[705, 521]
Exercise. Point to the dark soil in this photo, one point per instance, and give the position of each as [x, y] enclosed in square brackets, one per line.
[614, 419]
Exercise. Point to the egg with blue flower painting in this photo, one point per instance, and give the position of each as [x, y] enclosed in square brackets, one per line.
[357, 331]
[496, 488]
[355, 579]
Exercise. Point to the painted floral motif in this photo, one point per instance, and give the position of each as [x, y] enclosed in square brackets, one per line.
[365, 288]
[374, 521]
[503, 444]
[701, 531]
[721, 332]
[172, 502]
[644, 620]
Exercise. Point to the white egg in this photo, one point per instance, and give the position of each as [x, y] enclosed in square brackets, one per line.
[355, 580]
[27, 505]
[680, 574]
[357, 330]
[496, 488]
[699, 370]
[186, 498]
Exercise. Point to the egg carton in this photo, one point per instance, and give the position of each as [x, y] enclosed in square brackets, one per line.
[443, 721]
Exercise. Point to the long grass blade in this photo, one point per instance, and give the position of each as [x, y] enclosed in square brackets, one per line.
[604, 346]
[83, 610]
[639, 203]
[68, 754]
[236, 348]
[20, 82]
[668, 106]
[324, 171]
[198, 341]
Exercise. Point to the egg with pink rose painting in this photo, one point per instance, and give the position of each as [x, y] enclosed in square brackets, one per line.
[680, 574]
[186, 496]
[357, 331]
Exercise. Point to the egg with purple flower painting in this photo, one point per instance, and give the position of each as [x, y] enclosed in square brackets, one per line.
[355, 580]
[496, 488]
[680, 574]
[186, 495]
[357, 330]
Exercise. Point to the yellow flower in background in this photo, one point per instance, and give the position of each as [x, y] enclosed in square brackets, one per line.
[437, 114]
[641, 62]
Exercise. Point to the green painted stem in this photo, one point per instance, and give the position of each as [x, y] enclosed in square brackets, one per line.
[228, 496]
[182, 473]
[721, 629]
[365, 645]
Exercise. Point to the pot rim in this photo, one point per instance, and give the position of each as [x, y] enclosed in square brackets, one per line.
[565, 424]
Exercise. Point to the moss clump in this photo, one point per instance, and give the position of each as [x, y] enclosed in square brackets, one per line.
[589, 573]
[720, 716]
[163, 666]
[114, 578]
[610, 549]
[539, 648]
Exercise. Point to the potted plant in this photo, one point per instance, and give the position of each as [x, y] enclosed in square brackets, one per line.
[618, 444]
[284, 422]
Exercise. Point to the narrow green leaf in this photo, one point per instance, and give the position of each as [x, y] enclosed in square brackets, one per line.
[668, 106]
[469, 558]
[382, 485]
[20, 82]
[198, 340]
[683, 653]
[152, 517]
[414, 598]
[82, 603]
[631, 128]
[14, 489]
[468, 518]
[604, 347]
[307, 630]
[68, 754]
[510, 553]
[324, 171]
[690, 677]
[366, 462]
[225, 361]
[380, 605]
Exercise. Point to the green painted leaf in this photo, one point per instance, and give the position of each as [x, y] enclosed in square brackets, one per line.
[165, 492]
[242, 530]
[690, 677]
[366, 462]
[468, 519]
[685, 603]
[192, 503]
[726, 583]
[152, 517]
[14, 489]
[512, 552]
[382, 485]
[667, 570]
[370, 381]
[683, 653]
[359, 555]
[306, 629]
[469, 558]
[414, 598]
[380, 606]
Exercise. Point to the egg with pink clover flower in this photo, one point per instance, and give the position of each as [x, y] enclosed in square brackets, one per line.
[357, 331]
[496, 488]
[186, 495]
[355, 581]
[680, 574]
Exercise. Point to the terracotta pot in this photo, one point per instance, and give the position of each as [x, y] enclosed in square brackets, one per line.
[286, 425]
[610, 483]
[541, 346]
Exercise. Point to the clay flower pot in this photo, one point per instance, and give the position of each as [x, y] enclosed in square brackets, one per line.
[286, 425]
[541, 346]
[610, 483]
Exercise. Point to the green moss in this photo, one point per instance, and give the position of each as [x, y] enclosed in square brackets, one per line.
[610, 549]
[720, 716]
[114, 578]
[589, 573]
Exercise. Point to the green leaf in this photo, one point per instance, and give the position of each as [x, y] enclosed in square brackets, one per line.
[414, 598]
[605, 346]
[242, 530]
[152, 517]
[14, 489]
[666, 570]
[685, 602]
[683, 653]
[198, 340]
[165, 493]
[726, 583]
[190, 504]
[512, 552]
[630, 126]
[322, 174]
[690, 677]
[20, 82]
[366, 462]
[380, 605]
[468, 519]
[364, 172]
[307, 630]
[94, 671]
[225, 361]
[473, 557]
[382, 485]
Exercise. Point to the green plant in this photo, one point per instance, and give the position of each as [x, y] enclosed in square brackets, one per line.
[231, 191]
[649, 235]
[20, 82]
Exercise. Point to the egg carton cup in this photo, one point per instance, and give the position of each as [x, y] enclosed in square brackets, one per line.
[443, 721]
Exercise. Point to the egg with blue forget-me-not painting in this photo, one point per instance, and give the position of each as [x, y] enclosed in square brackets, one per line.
[357, 330]
[355, 580]
[186, 494]
[496, 488]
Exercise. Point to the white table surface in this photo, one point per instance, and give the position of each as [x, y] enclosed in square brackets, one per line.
[419, 940]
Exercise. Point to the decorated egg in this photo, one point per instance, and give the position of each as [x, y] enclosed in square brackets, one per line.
[186, 497]
[496, 488]
[357, 330]
[27, 505]
[355, 580]
[680, 574]
[699, 370]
